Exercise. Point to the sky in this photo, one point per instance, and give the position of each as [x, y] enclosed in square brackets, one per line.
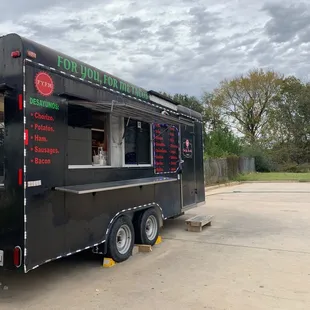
[176, 46]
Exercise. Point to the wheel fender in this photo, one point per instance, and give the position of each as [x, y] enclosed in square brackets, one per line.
[160, 215]
[130, 212]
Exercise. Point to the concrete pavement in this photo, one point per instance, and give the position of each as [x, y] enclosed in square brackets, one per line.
[254, 256]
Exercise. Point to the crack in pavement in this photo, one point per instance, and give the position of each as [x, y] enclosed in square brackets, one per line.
[240, 246]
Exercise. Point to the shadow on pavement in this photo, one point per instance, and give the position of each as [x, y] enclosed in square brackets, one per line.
[20, 287]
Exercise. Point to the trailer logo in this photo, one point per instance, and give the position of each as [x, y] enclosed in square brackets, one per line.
[187, 148]
[44, 84]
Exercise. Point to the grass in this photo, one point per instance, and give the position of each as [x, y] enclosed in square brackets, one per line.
[275, 176]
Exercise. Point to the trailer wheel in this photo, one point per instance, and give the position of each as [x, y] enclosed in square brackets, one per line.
[121, 239]
[147, 227]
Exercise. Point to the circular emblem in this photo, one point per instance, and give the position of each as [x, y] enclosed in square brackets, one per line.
[44, 84]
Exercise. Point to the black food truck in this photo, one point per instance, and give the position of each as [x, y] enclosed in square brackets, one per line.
[88, 161]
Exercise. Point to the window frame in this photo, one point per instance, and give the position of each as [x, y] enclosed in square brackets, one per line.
[109, 151]
[151, 164]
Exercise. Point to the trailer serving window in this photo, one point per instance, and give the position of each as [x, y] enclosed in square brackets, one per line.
[128, 137]
[137, 142]
[2, 129]
[87, 137]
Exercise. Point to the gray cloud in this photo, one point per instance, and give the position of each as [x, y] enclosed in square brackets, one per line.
[288, 22]
[40, 31]
[131, 23]
[170, 45]
[203, 21]
[20, 7]
[166, 32]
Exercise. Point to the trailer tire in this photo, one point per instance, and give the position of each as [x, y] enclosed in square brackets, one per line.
[121, 239]
[147, 227]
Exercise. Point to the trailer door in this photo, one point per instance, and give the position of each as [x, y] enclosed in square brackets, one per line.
[188, 172]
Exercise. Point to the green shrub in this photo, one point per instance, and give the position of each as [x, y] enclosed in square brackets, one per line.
[294, 167]
[222, 143]
[263, 162]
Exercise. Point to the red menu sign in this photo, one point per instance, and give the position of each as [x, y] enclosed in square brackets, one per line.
[166, 148]
[45, 128]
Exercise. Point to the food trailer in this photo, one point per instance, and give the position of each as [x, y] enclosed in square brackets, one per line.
[88, 161]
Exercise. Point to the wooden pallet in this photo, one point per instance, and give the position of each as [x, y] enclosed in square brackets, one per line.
[197, 222]
[144, 248]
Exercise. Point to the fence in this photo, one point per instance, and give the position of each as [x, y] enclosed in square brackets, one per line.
[221, 170]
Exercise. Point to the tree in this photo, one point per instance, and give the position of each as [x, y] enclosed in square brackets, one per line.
[190, 102]
[218, 138]
[210, 111]
[290, 122]
[247, 101]
[213, 115]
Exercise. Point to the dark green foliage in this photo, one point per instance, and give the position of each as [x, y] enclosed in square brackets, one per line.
[221, 142]
[187, 101]
[293, 167]
[263, 160]
[291, 123]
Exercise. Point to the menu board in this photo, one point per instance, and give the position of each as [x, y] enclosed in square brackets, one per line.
[45, 130]
[42, 141]
[166, 148]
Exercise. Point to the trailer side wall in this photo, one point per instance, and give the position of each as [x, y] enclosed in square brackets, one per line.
[12, 186]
